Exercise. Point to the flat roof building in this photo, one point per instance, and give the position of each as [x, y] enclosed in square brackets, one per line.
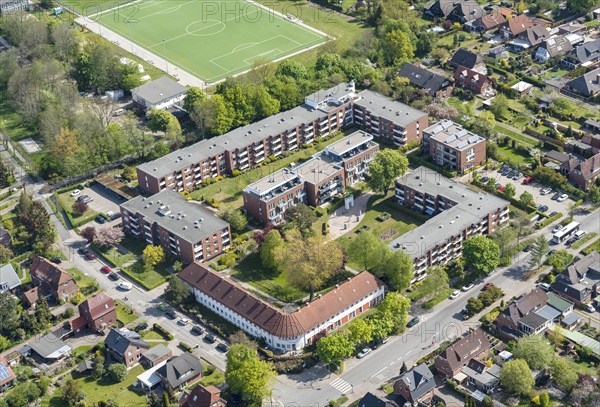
[160, 93]
[457, 212]
[452, 146]
[183, 229]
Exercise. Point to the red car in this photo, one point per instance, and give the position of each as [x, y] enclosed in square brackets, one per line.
[501, 188]
[527, 180]
[90, 256]
[105, 269]
[488, 285]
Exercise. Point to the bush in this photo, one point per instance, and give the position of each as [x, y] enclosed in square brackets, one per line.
[185, 347]
[236, 173]
[547, 221]
[117, 372]
[162, 332]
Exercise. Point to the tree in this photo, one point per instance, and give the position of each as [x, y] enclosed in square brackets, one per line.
[5, 254]
[481, 254]
[594, 194]
[270, 249]
[361, 331]
[398, 47]
[548, 176]
[484, 124]
[436, 281]
[535, 351]
[540, 248]
[526, 198]
[385, 168]
[311, 262]
[544, 397]
[109, 236]
[366, 249]
[509, 191]
[98, 367]
[247, 375]
[176, 291]
[398, 267]
[158, 119]
[334, 347]
[152, 400]
[585, 390]
[301, 217]
[240, 337]
[264, 104]
[578, 6]
[79, 207]
[213, 116]
[521, 7]
[10, 314]
[42, 313]
[293, 69]
[6, 175]
[516, 377]
[193, 97]
[117, 372]
[153, 255]
[499, 106]
[71, 392]
[394, 310]
[563, 373]
[487, 402]
[89, 233]
[236, 219]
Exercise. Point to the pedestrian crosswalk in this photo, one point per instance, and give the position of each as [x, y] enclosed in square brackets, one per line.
[341, 385]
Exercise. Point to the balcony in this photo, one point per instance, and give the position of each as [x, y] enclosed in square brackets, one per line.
[135, 232]
[399, 140]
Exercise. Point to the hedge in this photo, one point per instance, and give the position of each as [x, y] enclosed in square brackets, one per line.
[141, 282]
[74, 222]
[185, 347]
[590, 248]
[549, 220]
[162, 332]
[69, 188]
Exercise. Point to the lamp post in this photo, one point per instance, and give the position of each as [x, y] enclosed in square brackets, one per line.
[165, 55]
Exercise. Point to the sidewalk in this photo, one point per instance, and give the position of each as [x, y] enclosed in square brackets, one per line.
[344, 220]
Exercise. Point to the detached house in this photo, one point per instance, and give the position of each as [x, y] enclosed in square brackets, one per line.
[467, 59]
[416, 386]
[200, 396]
[585, 54]
[50, 282]
[587, 85]
[490, 21]
[180, 371]
[125, 346]
[432, 83]
[551, 48]
[460, 11]
[475, 345]
[535, 35]
[508, 320]
[97, 312]
[7, 376]
[474, 81]
[516, 26]
[9, 280]
[580, 282]
[583, 174]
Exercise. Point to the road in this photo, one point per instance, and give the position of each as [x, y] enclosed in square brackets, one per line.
[316, 387]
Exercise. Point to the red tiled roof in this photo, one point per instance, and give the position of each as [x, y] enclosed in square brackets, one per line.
[209, 396]
[466, 348]
[32, 296]
[519, 24]
[52, 277]
[11, 374]
[274, 320]
[95, 307]
[78, 323]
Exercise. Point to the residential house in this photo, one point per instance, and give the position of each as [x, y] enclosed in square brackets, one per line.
[593, 126]
[416, 386]
[13, 6]
[508, 320]
[453, 147]
[585, 172]
[498, 52]
[551, 48]
[474, 81]
[98, 312]
[180, 371]
[49, 348]
[200, 396]
[523, 88]
[481, 376]
[9, 280]
[586, 54]
[571, 28]
[432, 83]
[586, 85]
[281, 330]
[184, 230]
[467, 59]
[156, 355]
[7, 376]
[125, 346]
[50, 282]
[490, 21]
[85, 367]
[460, 11]
[161, 93]
[516, 26]
[371, 400]
[5, 238]
[580, 281]
[535, 35]
[474, 345]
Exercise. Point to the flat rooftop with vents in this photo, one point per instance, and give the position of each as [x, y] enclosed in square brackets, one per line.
[379, 105]
[453, 135]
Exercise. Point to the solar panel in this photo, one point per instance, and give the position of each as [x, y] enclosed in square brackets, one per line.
[4, 373]
[473, 139]
[437, 129]
[462, 144]
[461, 133]
[450, 139]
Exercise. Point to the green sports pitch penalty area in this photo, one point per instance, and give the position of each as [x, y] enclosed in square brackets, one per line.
[209, 39]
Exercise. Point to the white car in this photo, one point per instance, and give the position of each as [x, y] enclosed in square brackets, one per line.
[590, 308]
[557, 228]
[454, 295]
[125, 285]
[74, 193]
[546, 191]
[562, 198]
[544, 286]
[468, 287]
[183, 321]
[364, 353]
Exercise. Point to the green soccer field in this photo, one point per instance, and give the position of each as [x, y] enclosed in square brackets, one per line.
[211, 40]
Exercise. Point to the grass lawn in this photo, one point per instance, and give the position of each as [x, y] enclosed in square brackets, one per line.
[581, 242]
[81, 350]
[102, 390]
[398, 224]
[83, 281]
[66, 203]
[212, 376]
[228, 191]
[117, 258]
[420, 292]
[508, 153]
[125, 314]
[225, 44]
[149, 279]
[590, 248]
[517, 136]
[153, 335]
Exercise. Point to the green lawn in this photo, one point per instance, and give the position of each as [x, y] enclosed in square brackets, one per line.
[115, 257]
[102, 390]
[125, 314]
[81, 350]
[591, 247]
[212, 377]
[228, 192]
[581, 242]
[514, 135]
[514, 155]
[224, 43]
[398, 224]
[153, 335]
[66, 203]
[148, 278]
[83, 281]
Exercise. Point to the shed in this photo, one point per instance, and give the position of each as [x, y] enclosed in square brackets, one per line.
[85, 367]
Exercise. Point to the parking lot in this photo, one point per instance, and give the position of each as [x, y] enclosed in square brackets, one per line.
[534, 188]
[103, 201]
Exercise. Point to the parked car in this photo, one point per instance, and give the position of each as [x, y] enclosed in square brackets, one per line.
[414, 321]
[589, 308]
[100, 219]
[210, 338]
[141, 327]
[183, 321]
[222, 348]
[196, 330]
[56, 260]
[364, 352]
[113, 276]
[543, 208]
[468, 287]
[82, 250]
[74, 193]
[85, 198]
[528, 180]
[563, 198]
[483, 180]
[544, 286]
[579, 234]
[125, 286]
[555, 196]
[105, 269]
[557, 228]
[552, 214]
[498, 185]
[162, 306]
[90, 256]
[487, 286]
[454, 295]
[551, 252]
[571, 241]
[546, 191]
[501, 188]
[171, 313]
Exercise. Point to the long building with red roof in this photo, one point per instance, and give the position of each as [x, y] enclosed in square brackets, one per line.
[279, 329]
